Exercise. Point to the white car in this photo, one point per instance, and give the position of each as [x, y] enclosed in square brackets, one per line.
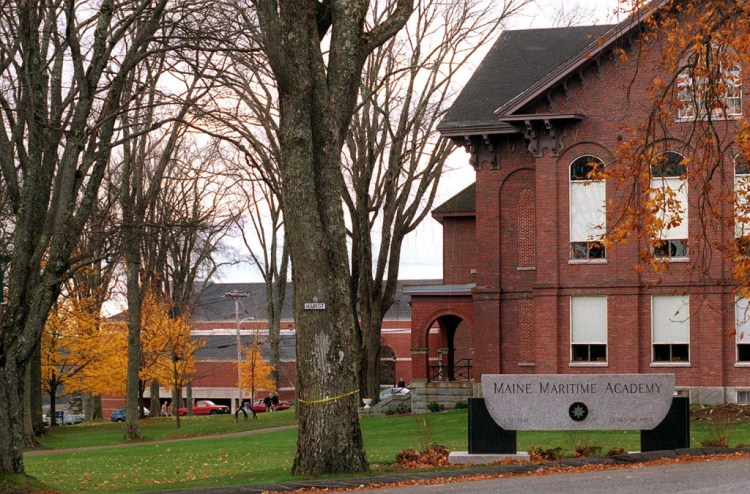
[388, 392]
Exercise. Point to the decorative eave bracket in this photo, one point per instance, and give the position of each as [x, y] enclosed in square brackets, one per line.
[544, 130]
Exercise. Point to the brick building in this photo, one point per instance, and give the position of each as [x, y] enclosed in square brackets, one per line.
[527, 286]
[214, 321]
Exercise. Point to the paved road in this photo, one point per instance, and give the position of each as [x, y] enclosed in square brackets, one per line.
[714, 477]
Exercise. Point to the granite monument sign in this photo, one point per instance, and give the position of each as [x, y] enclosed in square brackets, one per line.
[578, 402]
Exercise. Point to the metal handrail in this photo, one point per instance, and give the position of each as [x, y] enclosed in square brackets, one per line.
[459, 371]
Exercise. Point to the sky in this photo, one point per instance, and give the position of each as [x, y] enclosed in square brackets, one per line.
[421, 256]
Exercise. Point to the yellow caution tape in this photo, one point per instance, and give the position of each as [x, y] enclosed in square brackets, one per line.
[309, 402]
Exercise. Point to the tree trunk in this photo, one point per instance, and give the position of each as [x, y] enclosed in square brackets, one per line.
[155, 399]
[330, 439]
[370, 365]
[135, 300]
[35, 391]
[53, 407]
[29, 434]
[178, 399]
[189, 398]
[92, 406]
[11, 417]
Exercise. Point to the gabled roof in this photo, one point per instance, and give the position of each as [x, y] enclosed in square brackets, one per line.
[462, 204]
[517, 62]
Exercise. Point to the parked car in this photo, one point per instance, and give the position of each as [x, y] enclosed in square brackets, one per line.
[259, 406]
[73, 418]
[118, 414]
[388, 392]
[205, 407]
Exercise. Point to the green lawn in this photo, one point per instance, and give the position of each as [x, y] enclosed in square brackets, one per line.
[158, 429]
[267, 457]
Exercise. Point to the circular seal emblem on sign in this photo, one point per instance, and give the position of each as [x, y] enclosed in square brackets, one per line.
[578, 411]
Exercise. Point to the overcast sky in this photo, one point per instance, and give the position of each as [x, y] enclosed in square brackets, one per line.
[423, 249]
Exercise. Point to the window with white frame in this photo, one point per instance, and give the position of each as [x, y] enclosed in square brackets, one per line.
[670, 328]
[720, 95]
[742, 205]
[742, 329]
[588, 329]
[587, 209]
[669, 190]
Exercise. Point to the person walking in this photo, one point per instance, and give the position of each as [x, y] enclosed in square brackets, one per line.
[275, 402]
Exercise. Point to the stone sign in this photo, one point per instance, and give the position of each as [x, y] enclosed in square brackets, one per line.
[578, 402]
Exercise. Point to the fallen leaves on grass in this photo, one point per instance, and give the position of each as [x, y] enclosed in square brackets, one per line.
[544, 469]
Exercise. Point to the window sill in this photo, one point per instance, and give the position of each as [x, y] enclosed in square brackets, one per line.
[670, 364]
[742, 364]
[526, 268]
[587, 261]
[717, 117]
[673, 259]
[588, 364]
[526, 364]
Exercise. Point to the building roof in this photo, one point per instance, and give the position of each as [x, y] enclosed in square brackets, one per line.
[212, 304]
[461, 204]
[515, 63]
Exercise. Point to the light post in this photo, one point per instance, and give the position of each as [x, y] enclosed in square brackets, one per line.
[236, 295]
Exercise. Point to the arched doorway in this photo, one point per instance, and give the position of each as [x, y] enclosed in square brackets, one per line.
[449, 347]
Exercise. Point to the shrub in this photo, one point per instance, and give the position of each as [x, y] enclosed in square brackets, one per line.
[462, 404]
[720, 442]
[434, 406]
[436, 455]
[400, 409]
[741, 445]
[616, 451]
[587, 450]
[540, 453]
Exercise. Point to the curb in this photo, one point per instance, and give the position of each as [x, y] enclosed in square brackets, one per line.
[353, 482]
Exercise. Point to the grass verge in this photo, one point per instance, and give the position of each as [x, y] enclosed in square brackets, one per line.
[267, 457]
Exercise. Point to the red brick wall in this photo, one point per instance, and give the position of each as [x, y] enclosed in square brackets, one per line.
[521, 306]
[458, 250]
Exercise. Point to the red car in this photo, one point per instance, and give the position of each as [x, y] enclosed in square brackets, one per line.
[205, 407]
[258, 406]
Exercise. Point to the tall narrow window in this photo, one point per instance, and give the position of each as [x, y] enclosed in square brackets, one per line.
[716, 90]
[587, 209]
[742, 329]
[669, 190]
[588, 329]
[742, 205]
[670, 328]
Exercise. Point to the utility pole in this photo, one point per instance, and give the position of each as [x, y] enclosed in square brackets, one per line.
[236, 295]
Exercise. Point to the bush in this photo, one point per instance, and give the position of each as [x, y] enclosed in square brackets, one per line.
[720, 442]
[616, 451]
[588, 450]
[400, 409]
[434, 406]
[741, 445]
[540, 453]
[436, 455]
[462, 404]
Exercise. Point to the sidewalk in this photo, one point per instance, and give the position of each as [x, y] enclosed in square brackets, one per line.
[354, 482]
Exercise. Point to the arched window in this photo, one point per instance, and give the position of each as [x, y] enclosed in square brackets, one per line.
[588, 215]
[670, 188]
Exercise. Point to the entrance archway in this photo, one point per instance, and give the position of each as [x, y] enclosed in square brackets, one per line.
[449, 350]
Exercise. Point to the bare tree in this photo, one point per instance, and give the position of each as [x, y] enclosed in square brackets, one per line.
[394, 156]
[317, 59]
[262, 233]
[64, 67]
